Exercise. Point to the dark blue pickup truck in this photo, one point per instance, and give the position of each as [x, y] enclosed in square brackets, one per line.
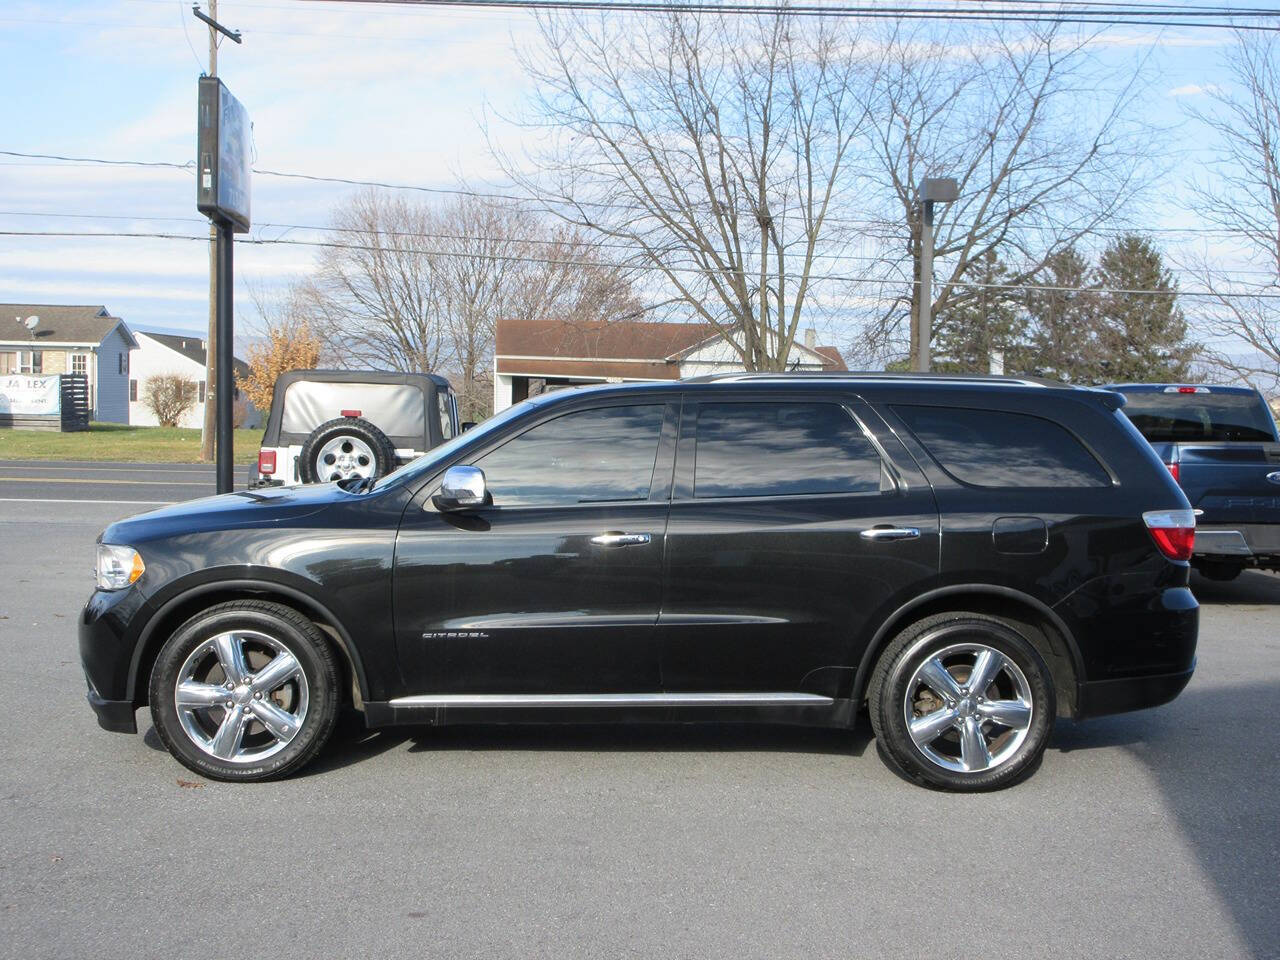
[1220, 444]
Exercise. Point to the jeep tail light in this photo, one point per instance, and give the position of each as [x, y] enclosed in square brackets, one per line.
[350, 413]
[266, 462]
[1175, 471]
[1174, 531]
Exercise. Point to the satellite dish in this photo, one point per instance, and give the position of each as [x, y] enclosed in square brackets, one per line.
[31, 322]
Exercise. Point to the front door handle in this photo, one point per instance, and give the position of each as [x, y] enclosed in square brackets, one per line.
[891, 533]
[613, 539]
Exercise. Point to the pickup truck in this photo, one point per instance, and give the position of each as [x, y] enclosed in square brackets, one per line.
[1220, 444]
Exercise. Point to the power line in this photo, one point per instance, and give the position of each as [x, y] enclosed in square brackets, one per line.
[1210, 294]
[1090, 14]
[478, 238]
[516, 198]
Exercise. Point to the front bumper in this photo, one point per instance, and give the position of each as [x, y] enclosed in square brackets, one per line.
[108, 641]
[114, 715]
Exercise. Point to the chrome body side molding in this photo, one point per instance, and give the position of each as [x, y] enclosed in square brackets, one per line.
[611, 700]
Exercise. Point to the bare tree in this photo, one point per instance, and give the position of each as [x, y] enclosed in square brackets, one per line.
[418, 287]
[500, 262]
[1042, 142]
[715, 148]
[374, 294]
[1241, 195]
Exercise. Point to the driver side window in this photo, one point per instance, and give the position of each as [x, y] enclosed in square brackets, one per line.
[591, 456]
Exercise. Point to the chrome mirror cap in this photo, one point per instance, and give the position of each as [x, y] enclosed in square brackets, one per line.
[462, 487]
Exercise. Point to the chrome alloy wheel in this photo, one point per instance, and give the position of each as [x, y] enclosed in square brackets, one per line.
[968, 708]
[345, 457]
[241, 696]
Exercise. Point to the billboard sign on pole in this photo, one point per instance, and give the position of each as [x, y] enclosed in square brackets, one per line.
[223, 147]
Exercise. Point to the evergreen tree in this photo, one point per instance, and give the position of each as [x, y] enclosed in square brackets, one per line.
[1143, 336]
[990, 320]
[1063, 341]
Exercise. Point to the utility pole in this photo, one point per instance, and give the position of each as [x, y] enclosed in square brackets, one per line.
[210, 364]
[932, 190]
[222, 194]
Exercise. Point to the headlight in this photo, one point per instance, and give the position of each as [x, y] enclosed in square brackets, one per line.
[118, 566]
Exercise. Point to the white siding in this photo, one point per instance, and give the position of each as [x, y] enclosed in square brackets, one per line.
[110, 387]
[717, 356]
[153, 358]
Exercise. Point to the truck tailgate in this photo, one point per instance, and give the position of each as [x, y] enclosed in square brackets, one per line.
[1231, 482]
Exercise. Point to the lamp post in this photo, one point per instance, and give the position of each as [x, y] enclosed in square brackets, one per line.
[932, 190]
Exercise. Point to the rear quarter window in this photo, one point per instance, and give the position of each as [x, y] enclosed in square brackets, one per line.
[996, 448]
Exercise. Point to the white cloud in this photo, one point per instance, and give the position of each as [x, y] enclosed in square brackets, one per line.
[1194, 90]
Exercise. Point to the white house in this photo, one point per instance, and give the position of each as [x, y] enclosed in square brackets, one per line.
[551, 353]
[162, 353]
[57, 338]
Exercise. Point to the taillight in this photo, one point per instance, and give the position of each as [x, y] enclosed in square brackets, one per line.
[1175, 471]
[1174, 531]
[266, 462]
[350, 413]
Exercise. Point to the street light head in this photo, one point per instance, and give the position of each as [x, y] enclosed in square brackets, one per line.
[939, 190]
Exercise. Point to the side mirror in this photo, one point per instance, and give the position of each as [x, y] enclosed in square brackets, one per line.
[461, 488]
[467, 425]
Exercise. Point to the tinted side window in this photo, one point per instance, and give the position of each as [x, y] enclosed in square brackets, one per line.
[586, 457]
[781, 449]
[993, 448]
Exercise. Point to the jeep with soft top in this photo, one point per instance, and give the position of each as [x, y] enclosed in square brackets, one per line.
[351, 424]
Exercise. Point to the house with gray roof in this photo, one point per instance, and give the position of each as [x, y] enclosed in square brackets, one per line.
[41, 338]
[184, 355]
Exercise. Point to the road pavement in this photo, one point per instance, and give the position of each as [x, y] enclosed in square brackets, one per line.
[132, 484]
[1148, 834]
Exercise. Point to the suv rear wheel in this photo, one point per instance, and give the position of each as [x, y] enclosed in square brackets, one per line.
[962, 701]
[344, 448]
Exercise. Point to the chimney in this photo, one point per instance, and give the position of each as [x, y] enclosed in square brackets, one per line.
[810, 338]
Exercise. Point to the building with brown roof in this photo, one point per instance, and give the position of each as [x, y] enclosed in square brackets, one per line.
[546, 354]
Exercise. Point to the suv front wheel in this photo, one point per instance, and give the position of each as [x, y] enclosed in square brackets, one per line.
[246, 690]
[962, 701]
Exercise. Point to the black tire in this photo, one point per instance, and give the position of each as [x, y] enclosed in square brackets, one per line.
[1018, 748]
[292, 632]
[381, 450]
[1218, 571]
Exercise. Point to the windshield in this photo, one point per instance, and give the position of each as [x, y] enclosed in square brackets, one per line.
[1200, 417]
[425, 465]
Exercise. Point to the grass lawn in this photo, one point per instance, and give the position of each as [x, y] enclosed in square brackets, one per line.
[114, 441]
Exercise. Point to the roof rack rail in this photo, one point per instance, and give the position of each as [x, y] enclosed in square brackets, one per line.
[992, 378]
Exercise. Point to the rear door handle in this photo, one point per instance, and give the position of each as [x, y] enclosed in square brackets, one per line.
[612, 539]
[891, 533]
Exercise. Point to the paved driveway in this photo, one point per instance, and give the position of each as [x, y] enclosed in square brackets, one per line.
[1149, 834]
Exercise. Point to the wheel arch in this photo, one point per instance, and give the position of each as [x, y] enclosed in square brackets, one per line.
[1043, 628]
[178, 609]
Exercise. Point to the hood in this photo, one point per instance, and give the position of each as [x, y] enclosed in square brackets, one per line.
[244, 508]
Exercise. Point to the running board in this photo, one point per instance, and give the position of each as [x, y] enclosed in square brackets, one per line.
[612, 700]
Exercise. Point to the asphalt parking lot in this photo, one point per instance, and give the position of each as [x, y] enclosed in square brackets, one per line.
[1148, 834]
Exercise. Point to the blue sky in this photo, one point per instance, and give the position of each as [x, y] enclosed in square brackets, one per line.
[333, 89]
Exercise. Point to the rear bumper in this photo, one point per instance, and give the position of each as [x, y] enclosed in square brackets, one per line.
[1246, 543]
[1102, 697]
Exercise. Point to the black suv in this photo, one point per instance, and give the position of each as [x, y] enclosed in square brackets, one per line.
[968, 558]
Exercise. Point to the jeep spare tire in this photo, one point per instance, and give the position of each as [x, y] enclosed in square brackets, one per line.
[346, 448]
